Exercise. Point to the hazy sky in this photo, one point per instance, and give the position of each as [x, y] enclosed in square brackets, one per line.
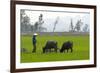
[63, 24]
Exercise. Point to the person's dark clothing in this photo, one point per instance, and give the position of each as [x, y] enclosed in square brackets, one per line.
[34, 39]
[34, 43]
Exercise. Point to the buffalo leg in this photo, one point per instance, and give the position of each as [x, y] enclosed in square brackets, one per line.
[56, 50]
[43, 50]
[67, 50]
[71, 50]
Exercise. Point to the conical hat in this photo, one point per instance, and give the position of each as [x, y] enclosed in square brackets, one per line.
[35, 34]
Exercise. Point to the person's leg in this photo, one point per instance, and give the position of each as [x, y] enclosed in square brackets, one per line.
[34, 48]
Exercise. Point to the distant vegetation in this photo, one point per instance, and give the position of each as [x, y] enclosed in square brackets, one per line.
[28, 27]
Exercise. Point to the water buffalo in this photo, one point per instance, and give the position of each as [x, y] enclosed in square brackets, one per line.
[66, 46]
[50, 45]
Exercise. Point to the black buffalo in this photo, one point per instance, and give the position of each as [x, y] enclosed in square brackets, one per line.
[66, 46]
[50, 46]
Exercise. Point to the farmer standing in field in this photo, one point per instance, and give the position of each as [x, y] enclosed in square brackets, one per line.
[34, 41]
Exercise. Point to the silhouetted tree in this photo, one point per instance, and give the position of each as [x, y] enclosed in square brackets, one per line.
[38, 24]
[25, 21]
[78, 25]
[56, 21]
[86, 28]
[71, 26]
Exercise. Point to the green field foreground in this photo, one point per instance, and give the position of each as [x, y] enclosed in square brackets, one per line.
[80, 49]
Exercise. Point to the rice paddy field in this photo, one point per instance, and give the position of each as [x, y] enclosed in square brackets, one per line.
[80, 48]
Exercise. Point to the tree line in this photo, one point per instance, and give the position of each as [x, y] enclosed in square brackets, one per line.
[27, 27]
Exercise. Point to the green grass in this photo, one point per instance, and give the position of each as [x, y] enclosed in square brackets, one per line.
[80, 49]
